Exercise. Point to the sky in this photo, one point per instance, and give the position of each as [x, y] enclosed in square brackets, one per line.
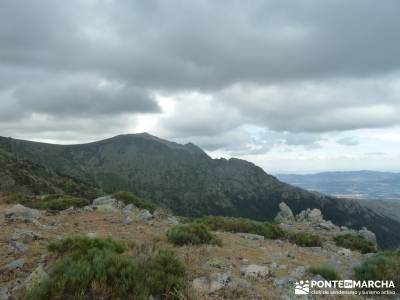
[294, 86]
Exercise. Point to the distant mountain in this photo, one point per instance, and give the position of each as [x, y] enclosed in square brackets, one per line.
[357, 184]
[185, 179]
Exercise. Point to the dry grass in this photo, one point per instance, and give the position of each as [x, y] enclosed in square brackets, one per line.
[235, 249]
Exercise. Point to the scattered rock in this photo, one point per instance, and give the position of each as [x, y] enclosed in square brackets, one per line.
[143, 215]
[327, 225]
[71, 210]
[291, 255]
[344, 252]
[283, 282]
[18, 246]
[251, 236]
[21, 213]
[244, 260]
[25, 235]
[298, 272]
[128, 220]
[108, 200]
[238, 288]
[172, 220]
[35, 277]
[313, 216]
[368, 235]
[4, 293]
[219, 263]
[254, 271]
[285, 215]
[129, 208]
[87, 208]
[212, 283]
[16, 264]
[107, 208]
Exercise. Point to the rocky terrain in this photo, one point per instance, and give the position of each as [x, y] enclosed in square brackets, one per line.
[182, 178]
[245, 266]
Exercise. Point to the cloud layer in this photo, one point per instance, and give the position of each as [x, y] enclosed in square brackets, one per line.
[241, 77]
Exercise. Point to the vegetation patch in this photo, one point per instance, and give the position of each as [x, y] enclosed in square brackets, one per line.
[229, 224]
[304, 239]
[98, 269]
[51, 202]
[60, 202]
[325, 271]
[382, 266]
[353, 242]
[20, 198]
[130, 198]
[192, 234]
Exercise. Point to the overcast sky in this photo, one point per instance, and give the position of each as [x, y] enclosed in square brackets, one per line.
[294, 86]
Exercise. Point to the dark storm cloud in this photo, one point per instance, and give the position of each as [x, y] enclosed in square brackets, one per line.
[202, 44]
[66, 97]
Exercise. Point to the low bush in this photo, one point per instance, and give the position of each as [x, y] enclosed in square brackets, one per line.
[80, 246]
[325, 271]
[382, 266]
[192, 234]
[353, 242]
[304, 239]
[50, 202]
[97, 269]
[268, 230]
[130, 198]
[60, 202]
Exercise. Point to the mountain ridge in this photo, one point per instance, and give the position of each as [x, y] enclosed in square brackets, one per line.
[186, 180]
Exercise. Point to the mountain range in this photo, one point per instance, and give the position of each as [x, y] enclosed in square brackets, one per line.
[355, 184]
[182, 178]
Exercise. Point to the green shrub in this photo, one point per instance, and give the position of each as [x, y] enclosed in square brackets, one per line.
[325, 271]
[60, 202]
[80, 246]
[353, 242]
[129, 198]
[192, 234]
[229, 224]
[97, 269]
[165, 275]
[304, 239]
[381, 266]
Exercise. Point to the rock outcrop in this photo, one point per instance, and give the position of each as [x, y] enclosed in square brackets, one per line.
[285, 214]
[368, 235]
[21, 213]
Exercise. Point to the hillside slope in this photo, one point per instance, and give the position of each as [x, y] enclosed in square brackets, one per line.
[21, 175]
[187, 180]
